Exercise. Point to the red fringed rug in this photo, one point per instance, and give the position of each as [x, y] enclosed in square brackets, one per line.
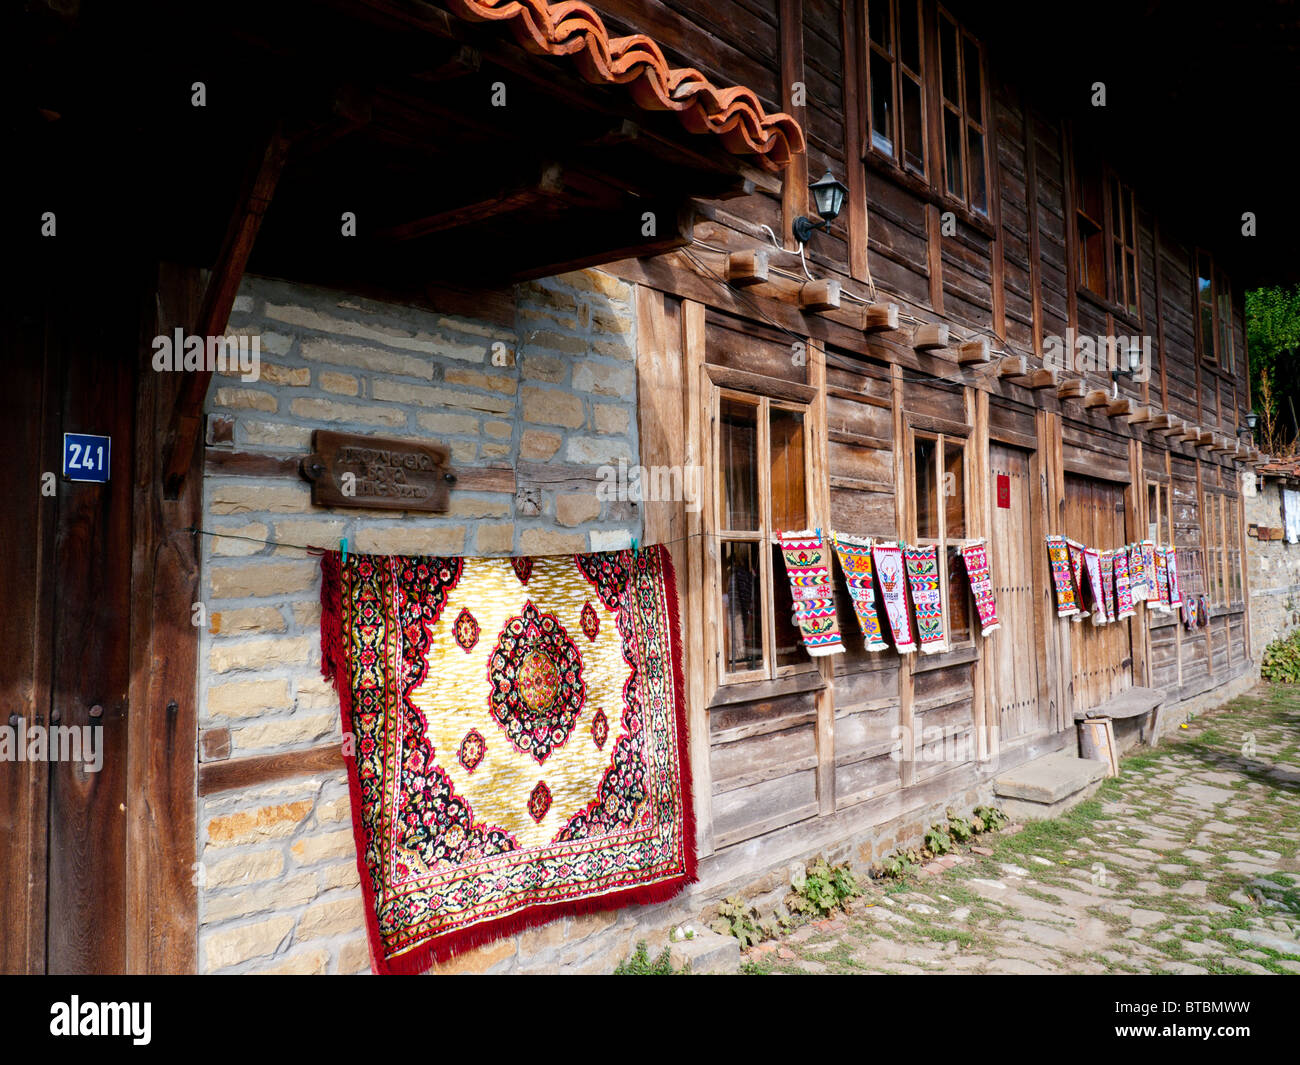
[520, 741]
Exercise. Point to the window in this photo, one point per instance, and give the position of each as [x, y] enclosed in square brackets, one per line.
[1158, 524]
[939, 513]
[1223, 584]
[895, 80]
[762, 478]
[962, 133]
[1214, 313]
[1100, 225]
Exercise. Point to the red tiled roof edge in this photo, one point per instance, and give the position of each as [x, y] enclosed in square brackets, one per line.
[571, 27]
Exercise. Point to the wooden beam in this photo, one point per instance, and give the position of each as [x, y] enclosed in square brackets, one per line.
[1173, 427]
[1036, 379]
[263, 769]
[218, 299]
[928, 336]
[819, 295]
[1074, 388]
[747, 267]
[1158, 420]
[1141, 415]
[973, 351]
[1118, 408]
[879, 316]
[549, 184]
[1191, 434]
[1013, 366]
[1098, 397]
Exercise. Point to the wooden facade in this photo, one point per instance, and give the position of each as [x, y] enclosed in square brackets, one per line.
[898, 383]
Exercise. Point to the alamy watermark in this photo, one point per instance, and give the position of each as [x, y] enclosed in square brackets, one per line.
[659, 484]
[177, 351]
[58, 743]
[1079, 353]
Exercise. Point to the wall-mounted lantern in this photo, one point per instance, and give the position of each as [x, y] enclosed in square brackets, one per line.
[1252, 420]
[828, 198]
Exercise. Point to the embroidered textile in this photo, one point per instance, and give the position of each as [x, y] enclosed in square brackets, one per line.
[1123, 590]
[888, 559]
[927, 599]
[975, 555]
[1058, 554]
[855, 560]
[807, 564]
[514, 762]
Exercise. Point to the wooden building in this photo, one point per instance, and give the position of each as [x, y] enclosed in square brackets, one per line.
[911, 375]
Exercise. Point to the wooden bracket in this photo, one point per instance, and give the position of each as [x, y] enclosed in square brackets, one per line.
[1098, 397]
[1013, 366]
[1074, 388]
[1119, 408]
[927, 337]
[973, 351]
[819, 295]
[218, 299]
[1173, 427]
[1036, 379]
[880, 316]
[747, 267]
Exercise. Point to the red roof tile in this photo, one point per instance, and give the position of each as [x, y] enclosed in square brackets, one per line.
[570, 27]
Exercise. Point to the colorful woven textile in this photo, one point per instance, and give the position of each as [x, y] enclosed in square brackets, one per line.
[1078, 570]
[1175, 590]
[808, 565]
[855, 560]
[511, 764]
[1107, 560]
[1150, 571]
[1137, 574]
[1123, 591]
[1058, 554]
[1092, 562]
[889, 572]
[976, 557]
[927, 599]
[1162, 580]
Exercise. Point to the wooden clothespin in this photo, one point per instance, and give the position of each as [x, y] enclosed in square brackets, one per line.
[343, 548]
[634, 550]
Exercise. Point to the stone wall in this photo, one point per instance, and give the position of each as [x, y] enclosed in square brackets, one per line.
[278, 887]
[1274, 571]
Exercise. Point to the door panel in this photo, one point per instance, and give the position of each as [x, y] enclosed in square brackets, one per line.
[1011, 651]
[1101, 656]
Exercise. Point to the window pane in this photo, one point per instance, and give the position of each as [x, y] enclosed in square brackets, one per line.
[948, 61]
[1205, 291]
[971, 68]
[742, 603]
[954, 490]
[1119, 271]
[975, 157]
[789, 492]
[1131, 282]
[913, 146]
[882, 103]
[878, 23]
[1225, 322]
[1153, 513]
[927, 493]
[789, 644]
[956, 179]
[738, 460]
[958, 598]
[909, 34]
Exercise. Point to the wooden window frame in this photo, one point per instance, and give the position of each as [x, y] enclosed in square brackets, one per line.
[1211, 353]
[1111, 231]
[963, 112]
[764, 536]
[943, 541]
[896, 158]
[1225, 582]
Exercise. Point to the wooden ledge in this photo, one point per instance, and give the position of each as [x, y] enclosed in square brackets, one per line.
[927, 337]
[973, 351]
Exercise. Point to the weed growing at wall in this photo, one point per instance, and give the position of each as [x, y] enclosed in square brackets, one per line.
[1281, 663]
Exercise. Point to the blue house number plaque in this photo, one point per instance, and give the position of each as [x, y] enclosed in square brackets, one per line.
[86, 458]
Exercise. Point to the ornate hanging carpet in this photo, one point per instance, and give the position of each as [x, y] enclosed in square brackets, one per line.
[927, 602]
[1123, 592]
[520, 741]
[1107, 560]
[1162, 580]
[1092, 560]
[1058, 556]
[1175, 590]
[855, 560]
[975, 556]
[807, 563]
[1078, 566]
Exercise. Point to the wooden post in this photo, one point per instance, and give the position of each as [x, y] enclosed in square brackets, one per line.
[824, 698]
[902, 468]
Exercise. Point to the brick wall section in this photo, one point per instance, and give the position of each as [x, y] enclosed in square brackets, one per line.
[1274, 568]
[278, 882]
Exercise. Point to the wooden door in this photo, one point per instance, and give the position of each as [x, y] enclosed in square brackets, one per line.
[65, 579]
[1017, 712]
[1101, 656]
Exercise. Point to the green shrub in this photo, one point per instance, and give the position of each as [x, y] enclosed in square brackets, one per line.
[825, 888]
[1281, 663]
[640, 964]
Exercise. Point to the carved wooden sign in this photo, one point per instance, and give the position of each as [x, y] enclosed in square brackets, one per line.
[349, 470]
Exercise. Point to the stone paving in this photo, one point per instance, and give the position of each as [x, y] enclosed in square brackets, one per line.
[1185, 863]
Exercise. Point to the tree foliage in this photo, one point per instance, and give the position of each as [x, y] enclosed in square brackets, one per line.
[1273, 336]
